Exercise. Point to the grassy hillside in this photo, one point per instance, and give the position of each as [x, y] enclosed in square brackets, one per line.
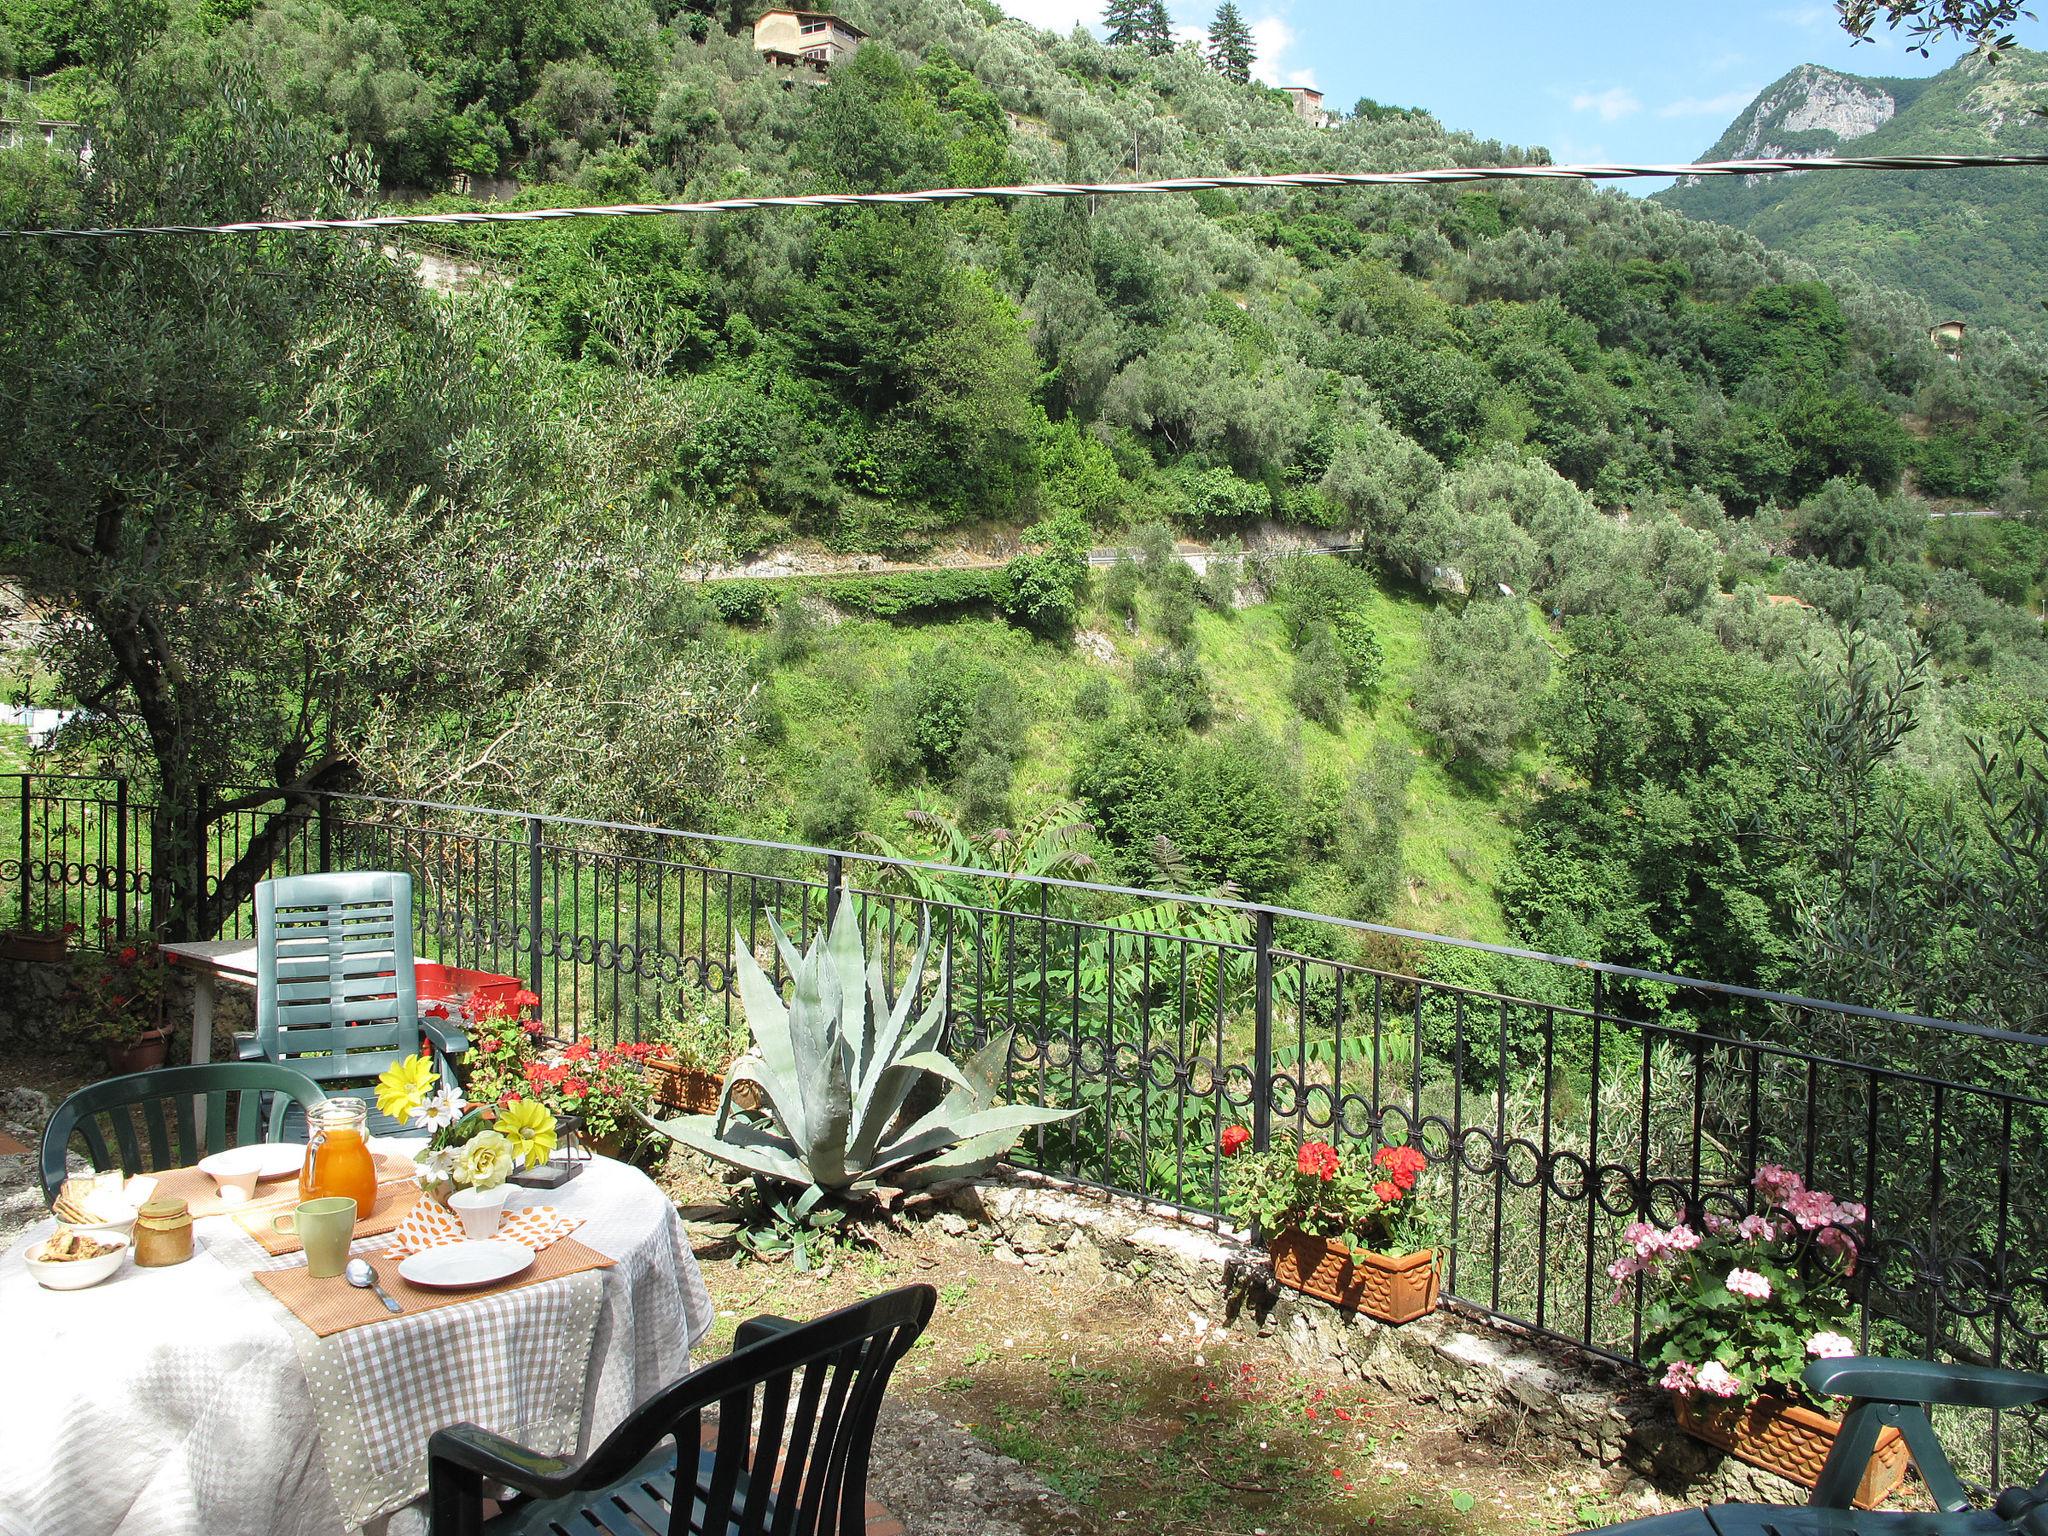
[1973, 245]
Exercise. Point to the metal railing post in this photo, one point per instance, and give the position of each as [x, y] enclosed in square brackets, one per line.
[323, 808]
[533, 902]
[835, 875]
[199, 862]
[25, 923]
[121, 858]
[1262, 1037]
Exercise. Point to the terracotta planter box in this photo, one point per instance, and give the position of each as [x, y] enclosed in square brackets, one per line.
[1392, 1290]
[145, 1053]
[1791, 1441]
[41, 947]
[687, 1090]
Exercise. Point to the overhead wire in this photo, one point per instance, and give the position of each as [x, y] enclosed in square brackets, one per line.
[1290, 180]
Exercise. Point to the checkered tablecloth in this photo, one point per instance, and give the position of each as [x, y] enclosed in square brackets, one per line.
[187, 1400]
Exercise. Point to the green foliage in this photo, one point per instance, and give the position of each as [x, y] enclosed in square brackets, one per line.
[1848, 524]
[1320, 687]
[951, 711]
[1230, 51]
[1478, 690]
[1046, 588]
[1120, 587]
[1376, 1201]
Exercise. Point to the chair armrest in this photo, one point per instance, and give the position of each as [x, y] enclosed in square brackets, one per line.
[249, 1048]
[448, 1038]
[503, 1461]
[1878, 1380]
[755, 1329]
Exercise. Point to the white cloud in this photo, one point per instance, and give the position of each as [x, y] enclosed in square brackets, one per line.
[1612, 104]
[1271, 38]
[1808, 18]
[1060, 16]
[1727, 104]
[1305, 77]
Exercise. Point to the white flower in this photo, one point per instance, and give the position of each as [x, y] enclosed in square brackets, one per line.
[1717, 1380]
[1830, 1346]
[439, 1112]
[436, 1167]
[1747, 1282]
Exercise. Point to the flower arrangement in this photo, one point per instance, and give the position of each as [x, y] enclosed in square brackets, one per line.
[701, 1035]
[1741, 1307]
[116, 994]
[1365, 1204]
[472, 1144]
[510, 1060]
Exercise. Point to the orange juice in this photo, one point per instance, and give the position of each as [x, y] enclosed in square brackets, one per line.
[338, 1160]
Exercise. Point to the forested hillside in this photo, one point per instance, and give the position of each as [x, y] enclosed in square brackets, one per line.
[1648, 657]
[1973, 246]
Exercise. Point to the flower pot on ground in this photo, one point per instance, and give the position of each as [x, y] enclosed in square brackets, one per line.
[145, 1053]
[1393, 1290]
[1352, 1230]
[1791, 1440]
[695, 1045]
[41, 946]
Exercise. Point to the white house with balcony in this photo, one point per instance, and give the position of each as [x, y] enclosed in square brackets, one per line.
[814, 39]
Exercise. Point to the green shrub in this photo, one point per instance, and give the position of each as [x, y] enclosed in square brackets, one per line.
[1120, 588]
[1173, 692]
[984, 790]
[794, 634]
[1176, 615]
[836, 802]
[1096, 698]
[941, 714]
[1320, 685]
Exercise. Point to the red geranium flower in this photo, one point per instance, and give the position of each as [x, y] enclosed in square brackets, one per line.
[525, 999]
[575, 1087]
[1318, 1158]
[1234, 1139]
[127, 956]
[438, 1011]
[1387, 1191]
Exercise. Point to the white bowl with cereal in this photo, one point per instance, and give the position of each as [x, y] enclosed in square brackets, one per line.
[71, 1260]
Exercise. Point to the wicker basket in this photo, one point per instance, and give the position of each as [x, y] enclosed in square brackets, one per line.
[1791, 1441]
[1392, 1290]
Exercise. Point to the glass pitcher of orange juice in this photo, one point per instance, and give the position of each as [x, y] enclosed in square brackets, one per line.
[338, 1160]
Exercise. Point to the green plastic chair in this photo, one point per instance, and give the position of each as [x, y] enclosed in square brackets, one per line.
[335, 994]
[241, 1102]
[1887, 1393]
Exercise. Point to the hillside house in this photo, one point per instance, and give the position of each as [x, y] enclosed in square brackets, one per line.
[1948, 337]
[814, 39]
[1308, 105]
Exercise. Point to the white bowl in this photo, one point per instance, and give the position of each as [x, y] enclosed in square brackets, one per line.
[77, 1274]
[238, 1170]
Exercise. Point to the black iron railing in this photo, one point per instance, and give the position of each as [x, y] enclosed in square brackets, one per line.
[1561, 1099]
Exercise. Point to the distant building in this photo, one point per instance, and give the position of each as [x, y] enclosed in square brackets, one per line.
[16, 131]
[1308, 105]
[815, 39]
[1948, 337]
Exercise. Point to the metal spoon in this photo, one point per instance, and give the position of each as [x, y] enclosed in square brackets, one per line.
[364, 1278]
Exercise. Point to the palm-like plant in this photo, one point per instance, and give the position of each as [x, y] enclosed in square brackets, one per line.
[847, 1073]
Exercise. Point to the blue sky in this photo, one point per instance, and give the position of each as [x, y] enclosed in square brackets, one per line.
[1605, 80]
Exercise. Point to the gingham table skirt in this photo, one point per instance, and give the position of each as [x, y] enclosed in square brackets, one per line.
[187, 1402]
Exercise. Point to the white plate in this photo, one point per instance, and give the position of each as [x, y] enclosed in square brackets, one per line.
[453, 1266]
[267, 1159]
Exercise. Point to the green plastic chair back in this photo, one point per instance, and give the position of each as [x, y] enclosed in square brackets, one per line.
[173, 1116]
[335, 993]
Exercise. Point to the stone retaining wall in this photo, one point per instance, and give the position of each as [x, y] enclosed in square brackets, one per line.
[1501, 1382]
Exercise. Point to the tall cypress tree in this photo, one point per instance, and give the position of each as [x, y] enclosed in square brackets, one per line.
[1126, 21]
[1155, 31]
[1230, 44]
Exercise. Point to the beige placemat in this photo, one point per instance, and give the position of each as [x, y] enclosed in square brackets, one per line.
[330, 1306]
[202, 1195]
[394, 1200]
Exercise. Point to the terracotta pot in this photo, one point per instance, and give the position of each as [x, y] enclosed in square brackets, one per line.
[687, 1090]
[145, 1053]
[40, 947]
[1790, 1440]
[1392, 1290]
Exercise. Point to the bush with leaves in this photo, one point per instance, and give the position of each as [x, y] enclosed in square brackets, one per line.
[1481, 682]
[1320, 684]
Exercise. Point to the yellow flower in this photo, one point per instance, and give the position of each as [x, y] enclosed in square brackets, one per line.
[404, 1086]
[530, 1129]
[485, 1161]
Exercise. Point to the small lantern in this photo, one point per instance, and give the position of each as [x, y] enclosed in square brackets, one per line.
[569, 1157]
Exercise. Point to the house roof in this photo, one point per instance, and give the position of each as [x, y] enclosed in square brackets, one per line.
[838, 21]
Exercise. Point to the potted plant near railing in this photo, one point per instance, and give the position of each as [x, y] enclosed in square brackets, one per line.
[694, 1047]
[1351, 1230]
[1737, 1309]
[115, 1000]
[597, 1091]
[43, 943]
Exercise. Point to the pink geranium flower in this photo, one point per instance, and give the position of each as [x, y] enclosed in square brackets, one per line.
[1716, 1380]
[1747, 1282]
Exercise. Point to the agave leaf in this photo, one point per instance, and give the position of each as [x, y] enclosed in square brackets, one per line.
[875, 1114]
[792, 957]
[814, 1036]
[768, 1023]
[1012, 1120]
[742, 1146]
[937, 1062]
[843, 948]
[892, 1086]
[972, 1156]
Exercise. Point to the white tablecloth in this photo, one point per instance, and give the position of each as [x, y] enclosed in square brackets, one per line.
[174, 1402]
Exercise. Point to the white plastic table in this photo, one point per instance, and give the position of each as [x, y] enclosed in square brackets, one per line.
[209, 962]
[177, 1401]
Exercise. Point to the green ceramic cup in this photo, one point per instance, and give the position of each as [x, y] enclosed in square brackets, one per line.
[324, 1227]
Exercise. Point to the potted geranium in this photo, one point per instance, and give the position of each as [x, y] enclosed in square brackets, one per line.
[1737, 1309]
[596, 1091]
[115, 999]
[696, 1043]
[1349, 1229]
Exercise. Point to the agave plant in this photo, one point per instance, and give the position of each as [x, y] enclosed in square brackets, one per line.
[854, 1081]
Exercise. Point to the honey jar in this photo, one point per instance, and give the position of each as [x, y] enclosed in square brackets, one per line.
[163, 1232]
